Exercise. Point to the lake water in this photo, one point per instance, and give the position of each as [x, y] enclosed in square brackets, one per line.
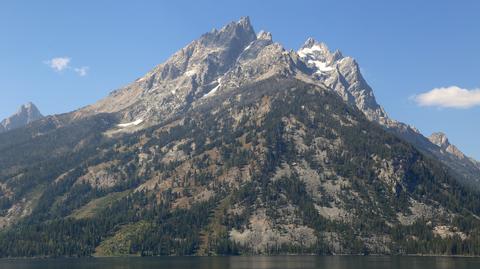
[284, 262]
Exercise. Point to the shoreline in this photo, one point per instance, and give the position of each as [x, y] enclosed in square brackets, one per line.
[232, 256]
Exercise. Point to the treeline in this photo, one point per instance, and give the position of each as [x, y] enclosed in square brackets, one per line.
[349, 146]
[169, 233]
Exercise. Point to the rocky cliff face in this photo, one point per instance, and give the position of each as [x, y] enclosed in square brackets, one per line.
[282, 166]
[234, 55]
[25, 115]
[188, 75]
[441, 140]
[233, 146]
[342, 74]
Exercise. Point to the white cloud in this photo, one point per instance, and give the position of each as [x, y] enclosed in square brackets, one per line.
[451, 97]
[59, 63]
[81, 71]
[63, 63]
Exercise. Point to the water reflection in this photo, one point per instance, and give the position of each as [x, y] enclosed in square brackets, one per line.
[281, 262]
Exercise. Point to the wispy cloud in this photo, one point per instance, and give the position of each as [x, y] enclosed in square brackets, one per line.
[59, 63]
[82, 71]
[449, 97]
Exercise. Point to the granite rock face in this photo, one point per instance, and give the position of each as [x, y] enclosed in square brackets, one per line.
[233, 56]
[235, 145]
[25, 115]
[441, 140]
[342, 74]
[188, 75]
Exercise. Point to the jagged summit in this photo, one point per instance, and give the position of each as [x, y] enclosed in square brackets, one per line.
[441, 140]
[27, 113]
[314, 51]
[241, 30]
[311, 43]
[185, 77]
[235, 55]
[320, 49]
[343, 75]
[230, 57]
[244, 22]
[263, 35]
[250, 140]
[218, 60]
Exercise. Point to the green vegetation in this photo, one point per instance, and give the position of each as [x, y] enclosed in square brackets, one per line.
[96, 206]
[237, 167]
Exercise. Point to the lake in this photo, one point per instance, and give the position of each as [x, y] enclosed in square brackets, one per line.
[282, 262]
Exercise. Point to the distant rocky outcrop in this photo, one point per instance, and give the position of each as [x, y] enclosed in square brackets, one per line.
[25, 115]
[441, 140]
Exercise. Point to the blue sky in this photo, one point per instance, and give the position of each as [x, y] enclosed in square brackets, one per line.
[405, 48]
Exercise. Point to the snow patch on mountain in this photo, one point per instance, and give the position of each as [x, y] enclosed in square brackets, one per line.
[215, 89]
[128, 124]
[321, 66]
[307, 51]
[248, 47]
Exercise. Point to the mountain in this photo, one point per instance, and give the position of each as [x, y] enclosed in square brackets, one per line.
[188, 75]
[234, 145]
[25, 115]
[343, 75]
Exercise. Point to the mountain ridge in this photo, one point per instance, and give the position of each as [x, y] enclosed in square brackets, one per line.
[340, 73]
[234, 145]
[347, 80]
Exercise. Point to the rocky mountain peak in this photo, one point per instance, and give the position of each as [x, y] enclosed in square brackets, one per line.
[311, 42]
[314, 49]
[26, 114]
[233, 56]
[343, 75]
[244, 22]
[237, 31]
[233, 117]
[186, 76]
[441, 140]
[319, 50]
[263, 35]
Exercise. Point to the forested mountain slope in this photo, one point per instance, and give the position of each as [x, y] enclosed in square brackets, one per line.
[233, 146]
